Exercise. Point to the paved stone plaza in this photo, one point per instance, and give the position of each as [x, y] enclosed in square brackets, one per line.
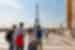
[53, 42]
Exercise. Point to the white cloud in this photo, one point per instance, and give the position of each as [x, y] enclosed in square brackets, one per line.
[9, 9]
[7, 21]
[11, 3]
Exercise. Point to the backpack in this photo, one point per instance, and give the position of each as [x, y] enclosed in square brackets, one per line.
[9, 36]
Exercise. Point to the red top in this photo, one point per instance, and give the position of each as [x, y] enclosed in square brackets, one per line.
[19, 40]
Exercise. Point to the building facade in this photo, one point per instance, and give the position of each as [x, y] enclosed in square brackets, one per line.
[70, 15]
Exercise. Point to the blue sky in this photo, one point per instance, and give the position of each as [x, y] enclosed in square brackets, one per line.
[14, 11]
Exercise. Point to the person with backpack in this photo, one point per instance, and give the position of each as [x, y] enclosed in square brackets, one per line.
[32, 43]
[9, 37]
[38, 34]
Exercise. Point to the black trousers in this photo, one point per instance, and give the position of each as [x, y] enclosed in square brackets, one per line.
[19, 47]
[11, 47]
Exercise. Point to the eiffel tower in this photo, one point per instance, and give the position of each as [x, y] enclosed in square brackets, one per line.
[37, 20]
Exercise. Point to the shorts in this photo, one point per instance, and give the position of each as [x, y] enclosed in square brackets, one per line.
[39, 40]
[32, 45]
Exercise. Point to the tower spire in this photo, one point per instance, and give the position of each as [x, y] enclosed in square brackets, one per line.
[37, 15]
[37, 21]
[37, 10]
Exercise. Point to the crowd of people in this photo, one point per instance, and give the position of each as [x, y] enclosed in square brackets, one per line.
[15, 37]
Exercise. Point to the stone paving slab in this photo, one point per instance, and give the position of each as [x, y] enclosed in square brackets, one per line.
[54, 42]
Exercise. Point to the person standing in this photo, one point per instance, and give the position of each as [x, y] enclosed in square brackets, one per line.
[32, 45]
[9, 37]
[39, 34]
[19, 39]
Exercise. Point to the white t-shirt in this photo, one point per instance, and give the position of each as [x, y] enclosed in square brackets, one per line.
[28, 40]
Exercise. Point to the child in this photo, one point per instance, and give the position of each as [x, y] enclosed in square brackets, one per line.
[32, 42]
